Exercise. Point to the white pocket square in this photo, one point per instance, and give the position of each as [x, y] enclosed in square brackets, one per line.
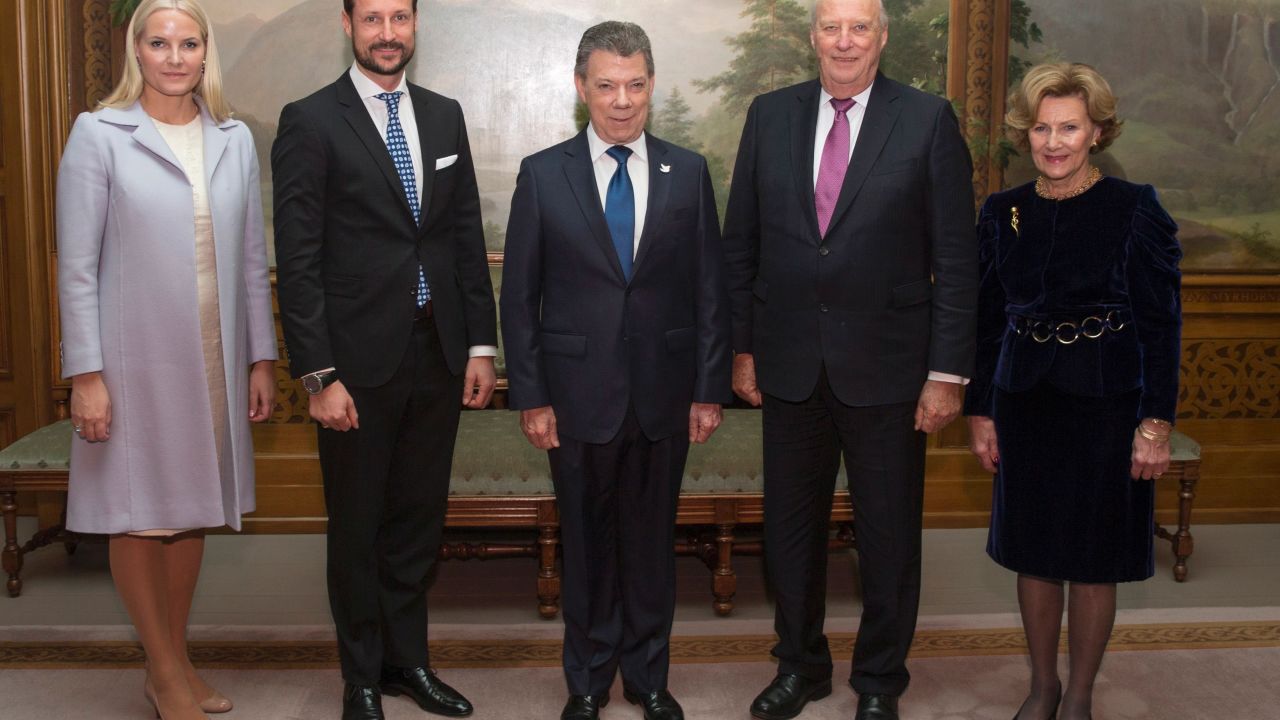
[444, 162]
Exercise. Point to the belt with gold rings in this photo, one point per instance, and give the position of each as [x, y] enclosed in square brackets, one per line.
[1067, 332]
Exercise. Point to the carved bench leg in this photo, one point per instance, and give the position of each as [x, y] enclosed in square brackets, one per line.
[724, 581]
[548, 573]
[12, 553]
[1183, 542]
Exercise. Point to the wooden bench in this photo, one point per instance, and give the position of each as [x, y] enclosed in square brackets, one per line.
[501, 482]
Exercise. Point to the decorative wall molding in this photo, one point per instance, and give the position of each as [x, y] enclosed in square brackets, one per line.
[6, 339]
[977, 77]
[97, 51]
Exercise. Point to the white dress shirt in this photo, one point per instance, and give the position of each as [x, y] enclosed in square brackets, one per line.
[637, 169]
[368, 91]
[855, 114]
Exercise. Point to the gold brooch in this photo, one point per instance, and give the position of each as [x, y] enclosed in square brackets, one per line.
[1013, 219]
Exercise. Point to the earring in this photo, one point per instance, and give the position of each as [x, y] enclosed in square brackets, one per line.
[202, 72]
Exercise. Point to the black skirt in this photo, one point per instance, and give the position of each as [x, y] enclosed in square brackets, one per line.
[1064, 506]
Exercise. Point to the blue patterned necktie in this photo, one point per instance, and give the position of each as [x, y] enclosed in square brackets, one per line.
[620, 209]
[399, 149]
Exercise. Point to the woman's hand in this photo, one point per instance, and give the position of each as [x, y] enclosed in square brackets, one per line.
[1150, 457]
[90, 407]
[262, 390]
[982, 441]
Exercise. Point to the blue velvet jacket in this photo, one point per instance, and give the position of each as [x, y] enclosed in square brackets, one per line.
[1110, 254]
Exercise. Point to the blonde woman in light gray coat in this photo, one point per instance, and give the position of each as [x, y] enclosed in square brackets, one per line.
[167, 331]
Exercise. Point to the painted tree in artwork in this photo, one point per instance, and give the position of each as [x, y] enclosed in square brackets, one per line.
[773, 53]
[673, 122]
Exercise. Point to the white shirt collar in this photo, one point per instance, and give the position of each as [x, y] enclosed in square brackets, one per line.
[367, 88]
[824, 97]
[599, 147]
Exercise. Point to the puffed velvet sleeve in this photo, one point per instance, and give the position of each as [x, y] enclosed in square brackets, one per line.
[991, 314]
[1154, 281]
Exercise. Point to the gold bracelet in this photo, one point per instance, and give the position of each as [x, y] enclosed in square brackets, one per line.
[1151, 435]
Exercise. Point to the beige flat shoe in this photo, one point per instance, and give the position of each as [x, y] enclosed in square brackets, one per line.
[216, 703]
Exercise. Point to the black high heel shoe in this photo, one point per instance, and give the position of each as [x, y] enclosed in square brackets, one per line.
[1053, 715]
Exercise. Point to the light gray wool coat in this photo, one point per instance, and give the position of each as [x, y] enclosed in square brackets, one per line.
[127, 292]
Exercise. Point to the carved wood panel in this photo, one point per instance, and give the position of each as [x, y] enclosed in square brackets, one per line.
[1230, 378]
[98, 78]
[8, 426]
[6, 323]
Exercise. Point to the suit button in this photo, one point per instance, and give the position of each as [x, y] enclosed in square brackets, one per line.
[823, 251]
[822, 308]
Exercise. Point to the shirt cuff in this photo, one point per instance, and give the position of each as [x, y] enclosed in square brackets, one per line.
[948, 377]
[482, 351]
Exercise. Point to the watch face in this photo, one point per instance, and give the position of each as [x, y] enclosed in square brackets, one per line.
[312, 384]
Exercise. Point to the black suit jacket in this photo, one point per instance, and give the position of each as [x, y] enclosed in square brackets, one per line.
[578, 336]
[890, 293]
[347, 248]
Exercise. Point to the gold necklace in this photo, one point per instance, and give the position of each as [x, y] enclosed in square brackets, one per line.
[1042, 186]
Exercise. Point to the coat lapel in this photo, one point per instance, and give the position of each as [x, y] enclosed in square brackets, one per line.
[144, 133]
[215, 141]
[357, 116]
[659, 189]
[582, 182]
[804, 123]
[420, 110]
[877, 122]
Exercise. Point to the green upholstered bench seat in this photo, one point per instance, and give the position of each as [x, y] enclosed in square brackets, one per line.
[1182, 448]
[500, 481]
[48, 448]
[492, 457]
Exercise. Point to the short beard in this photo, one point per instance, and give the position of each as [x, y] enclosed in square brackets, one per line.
[367, 62]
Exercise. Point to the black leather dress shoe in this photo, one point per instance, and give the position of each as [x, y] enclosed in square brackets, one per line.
[360, 702]
[429, 691]
[873, 706]
[658, 705]
[584, 707]
[787, 695]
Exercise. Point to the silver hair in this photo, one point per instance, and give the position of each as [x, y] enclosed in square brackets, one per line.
[619, 38]
[813, 14]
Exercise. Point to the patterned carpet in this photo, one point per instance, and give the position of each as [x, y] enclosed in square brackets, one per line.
[508, 653]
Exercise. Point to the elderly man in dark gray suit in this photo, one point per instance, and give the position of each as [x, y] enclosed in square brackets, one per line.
[852, 271]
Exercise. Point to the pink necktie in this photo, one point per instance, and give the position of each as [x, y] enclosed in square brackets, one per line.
[835, 160]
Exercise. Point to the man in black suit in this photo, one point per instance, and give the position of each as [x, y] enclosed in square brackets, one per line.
[389, 319]
[616, 325]
[852, 271]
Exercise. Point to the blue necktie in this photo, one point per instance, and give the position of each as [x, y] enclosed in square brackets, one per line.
[620, 209]
[399, 149]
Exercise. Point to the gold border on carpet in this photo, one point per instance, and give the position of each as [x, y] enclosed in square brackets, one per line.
[311, 654]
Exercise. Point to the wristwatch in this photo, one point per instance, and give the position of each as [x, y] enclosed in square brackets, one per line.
[316, 382]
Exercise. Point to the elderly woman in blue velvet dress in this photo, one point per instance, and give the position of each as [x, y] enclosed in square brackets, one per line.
[1073, 398]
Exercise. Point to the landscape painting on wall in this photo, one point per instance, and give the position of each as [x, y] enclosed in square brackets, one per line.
[1199, 88]
[510, 64]
[1197, 81]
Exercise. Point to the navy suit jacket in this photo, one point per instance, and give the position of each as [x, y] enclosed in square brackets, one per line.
[890, 293]
[577, 335]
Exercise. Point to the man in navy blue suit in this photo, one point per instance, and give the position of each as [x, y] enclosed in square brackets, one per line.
[616, 323]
